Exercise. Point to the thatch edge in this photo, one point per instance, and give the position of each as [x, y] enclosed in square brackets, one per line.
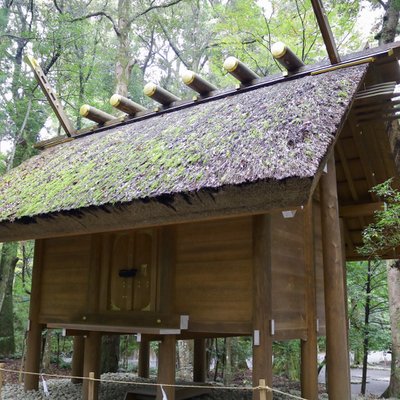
[229, 201]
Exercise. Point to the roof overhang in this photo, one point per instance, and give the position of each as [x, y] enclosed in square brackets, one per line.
[228, 201]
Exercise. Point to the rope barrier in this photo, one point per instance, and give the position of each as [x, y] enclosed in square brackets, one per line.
[91, 378]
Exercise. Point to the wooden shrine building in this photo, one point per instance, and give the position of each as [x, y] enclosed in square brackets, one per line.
[230, 215]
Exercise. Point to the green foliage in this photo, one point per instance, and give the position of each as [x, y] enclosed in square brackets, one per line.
[378, 329]
[383, 234]
[287, 359]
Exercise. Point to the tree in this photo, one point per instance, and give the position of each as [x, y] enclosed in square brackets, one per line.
[368, 311]
[380, 238]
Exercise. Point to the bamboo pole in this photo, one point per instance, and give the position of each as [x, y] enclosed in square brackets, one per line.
[335, 303]
[91, 386]
[263, 389]
[1, 379]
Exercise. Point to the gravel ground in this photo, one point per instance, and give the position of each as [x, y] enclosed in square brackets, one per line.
[63, 389]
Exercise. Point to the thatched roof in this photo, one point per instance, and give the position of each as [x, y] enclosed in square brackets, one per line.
[274, 134]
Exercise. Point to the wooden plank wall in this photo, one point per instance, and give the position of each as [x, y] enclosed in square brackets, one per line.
[213, 277]
[214, 270]
[65, 277]
[288, 276]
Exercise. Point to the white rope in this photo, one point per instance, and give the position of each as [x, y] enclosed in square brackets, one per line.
[234, 388]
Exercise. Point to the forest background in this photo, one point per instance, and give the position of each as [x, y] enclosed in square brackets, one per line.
[91, 49]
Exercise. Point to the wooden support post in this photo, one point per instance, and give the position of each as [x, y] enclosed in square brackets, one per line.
[166, 366]
[309, 353]
[91, 363]
[34, 338]
[1, 379]
[144, 358]
[77, 358]
[199, 360]
[335, 302]
[262, 309]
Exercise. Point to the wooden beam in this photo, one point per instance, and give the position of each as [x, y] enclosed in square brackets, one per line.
[334, 291]
[34, 338]
[309, 353]
[262, 303]
[346, 170]
[166, 367]
[77, 358]
[91, 363]
[326, 31]
[360, 210]
[51, 96]
[199, 360]
[364, 158]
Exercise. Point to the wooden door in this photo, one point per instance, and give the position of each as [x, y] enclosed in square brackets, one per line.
[132, 272]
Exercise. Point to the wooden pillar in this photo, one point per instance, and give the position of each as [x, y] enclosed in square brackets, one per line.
[166, 366]
[77, 358]
[309, 351]
[262, 309]
[91, 362]
[34, 338]
[199, 360]
[335, 303]
[144, 358]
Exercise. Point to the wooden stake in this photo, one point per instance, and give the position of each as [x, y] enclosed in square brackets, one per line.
[91, 386]
[262, 307]
[335, 302]
[263, 390]
[1, 379]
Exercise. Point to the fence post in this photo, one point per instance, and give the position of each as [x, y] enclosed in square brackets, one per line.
[263, 389]
[91, 386]
[1, 379]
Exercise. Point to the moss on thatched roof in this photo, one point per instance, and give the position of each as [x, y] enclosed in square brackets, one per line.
[271, 133]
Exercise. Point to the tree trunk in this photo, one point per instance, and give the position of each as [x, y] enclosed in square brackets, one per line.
[109, 353]
[394, 310]
[8, 262]
[124, 63]
[390, 22]
[366, 330]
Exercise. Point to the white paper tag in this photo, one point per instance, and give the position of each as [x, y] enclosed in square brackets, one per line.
[45, 388]
[164, 395]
